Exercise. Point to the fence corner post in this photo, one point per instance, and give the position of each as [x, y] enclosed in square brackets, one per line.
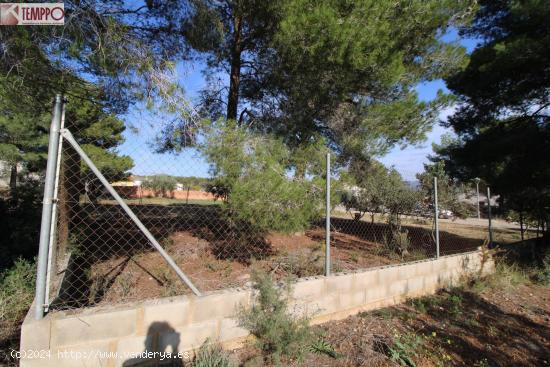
[47, 203]
[327, 218]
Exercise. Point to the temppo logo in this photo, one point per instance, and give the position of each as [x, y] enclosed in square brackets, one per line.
[32, 14]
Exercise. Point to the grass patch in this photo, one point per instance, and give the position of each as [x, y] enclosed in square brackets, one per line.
[16, 295]
[212, 355]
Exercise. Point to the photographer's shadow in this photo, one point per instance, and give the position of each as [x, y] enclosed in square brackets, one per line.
[161, 339]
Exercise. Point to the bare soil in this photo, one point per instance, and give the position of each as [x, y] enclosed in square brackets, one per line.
[114, 262]
[457, 327]
[145, 275]
[219, 262]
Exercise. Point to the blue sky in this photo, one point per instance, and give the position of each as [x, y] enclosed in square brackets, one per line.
[408, 161]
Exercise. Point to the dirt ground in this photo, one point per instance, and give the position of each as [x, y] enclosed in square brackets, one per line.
[143, 275]
[115, 262]
[459, 327]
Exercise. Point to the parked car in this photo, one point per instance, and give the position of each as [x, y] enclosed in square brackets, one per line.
[445, 214]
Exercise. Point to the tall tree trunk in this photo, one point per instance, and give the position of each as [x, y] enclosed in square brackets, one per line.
[235, 76]
[70, 189]
[13, 184]
[13, 178]
[521, 224]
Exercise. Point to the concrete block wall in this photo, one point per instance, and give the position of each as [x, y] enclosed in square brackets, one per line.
[108, 336]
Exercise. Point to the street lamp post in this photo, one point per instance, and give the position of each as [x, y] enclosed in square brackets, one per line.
[477, 179]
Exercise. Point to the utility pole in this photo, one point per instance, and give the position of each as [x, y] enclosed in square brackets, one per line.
[477, 179]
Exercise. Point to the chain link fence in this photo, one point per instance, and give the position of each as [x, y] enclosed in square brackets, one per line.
[219, 208]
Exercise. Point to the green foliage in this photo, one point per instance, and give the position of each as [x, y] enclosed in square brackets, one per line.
[16, 296]
[278, 333]
[22, 137]
[376, 189]
[161, 184]
[305, 68]
[448, 189]
[211, 355]
[370, 187]
[22, 213]
[16, 292]
[259, 180]
[404, 348]
[503, 124]
[369, 54]
[321, 346]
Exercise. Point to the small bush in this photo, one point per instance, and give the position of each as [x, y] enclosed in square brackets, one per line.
[404, 348]
[506, 276]
[16, 291]
[16, 295]
[321, 346]
[211, 355]
[278, 333]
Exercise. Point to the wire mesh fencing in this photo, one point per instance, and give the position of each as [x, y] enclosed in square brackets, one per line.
[367, 230]
[218, 208]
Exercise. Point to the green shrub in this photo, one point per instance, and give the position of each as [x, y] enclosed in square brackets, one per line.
[16, 291]
[16, 295]
[321, 346]
[162, 185]
[211, 355]
[404, 348]
[263, 183]
[278, 333]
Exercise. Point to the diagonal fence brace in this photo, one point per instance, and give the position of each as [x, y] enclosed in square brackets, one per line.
[66, 134]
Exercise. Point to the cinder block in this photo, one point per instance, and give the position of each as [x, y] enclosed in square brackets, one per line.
[176, 313]
[193, 336]
[376, 294]
[134, 344]
[326, 305]
[340, 283]
[431, 281]
[218, 305]
[406, 271]
[366, 279]
[35, 334]
[308, 289]
[230, 330]
[97, 354]
[458, 261]
[86, 328]
[387, 275]
[352, 299]
[439, 265]
[424, 268]
[415, 285]
[445, 278]
[398, 288]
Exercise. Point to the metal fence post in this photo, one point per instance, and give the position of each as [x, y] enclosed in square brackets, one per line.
[327, 220]
[45, 224]
[436, 213]
[53, 226]
[477, 179]
[489, 215]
